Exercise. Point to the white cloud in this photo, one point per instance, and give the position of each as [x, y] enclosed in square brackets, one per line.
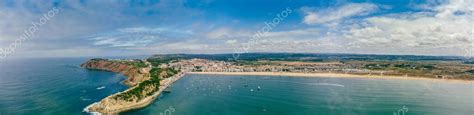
[124, 42]
[226, 33]
[441, 28]
[430, 32]
[455, 7]
[309, 33]
[70, 52]
[137, 37]
[81, 18]
[314, 16]
[233, 41]
[185, 46]
[219, 33]
[448, 32]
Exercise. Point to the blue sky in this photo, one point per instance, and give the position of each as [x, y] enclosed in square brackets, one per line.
[116, 28]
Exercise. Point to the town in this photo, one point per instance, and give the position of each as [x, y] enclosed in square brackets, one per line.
[444, 70]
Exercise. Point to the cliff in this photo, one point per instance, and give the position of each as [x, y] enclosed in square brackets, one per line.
[134, 74]
[146, 84]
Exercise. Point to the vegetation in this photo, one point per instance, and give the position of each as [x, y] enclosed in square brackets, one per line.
[148, 87]
[399, 65]
[163, 73]
[428, 66]
[98, 59]
[155, 62]
[154, 73]
[437, 69]
[134, 63]
[138, 64]
[307, 57]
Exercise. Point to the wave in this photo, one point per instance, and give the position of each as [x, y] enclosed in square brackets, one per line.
[85, 99]
[89, 106]
[101, 87]
[330, 84]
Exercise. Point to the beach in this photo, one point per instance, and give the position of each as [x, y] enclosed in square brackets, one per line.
[212, 94]
[338, 75]
[118, 107]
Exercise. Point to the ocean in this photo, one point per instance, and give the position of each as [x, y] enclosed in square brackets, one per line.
[283, 95]
[59, 86]
[52, 86]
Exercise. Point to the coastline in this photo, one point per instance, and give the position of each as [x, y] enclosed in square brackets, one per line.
[332, 75]
[104, 107]
[165, 83]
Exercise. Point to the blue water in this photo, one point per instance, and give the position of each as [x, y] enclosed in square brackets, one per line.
[52, 86]
[59, 86]
[241, 95]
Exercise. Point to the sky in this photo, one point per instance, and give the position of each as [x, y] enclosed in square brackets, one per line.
[75, 28]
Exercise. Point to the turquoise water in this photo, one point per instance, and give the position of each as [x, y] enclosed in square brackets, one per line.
[60, 86]
[52, 86]
[241, 95]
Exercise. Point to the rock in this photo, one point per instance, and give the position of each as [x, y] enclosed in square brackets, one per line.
[134, 75]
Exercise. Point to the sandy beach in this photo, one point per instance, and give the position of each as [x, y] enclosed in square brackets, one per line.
[167, 82]
[338, 75]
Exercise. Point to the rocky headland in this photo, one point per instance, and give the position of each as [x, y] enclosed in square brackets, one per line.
[146, 83]
[135, 74]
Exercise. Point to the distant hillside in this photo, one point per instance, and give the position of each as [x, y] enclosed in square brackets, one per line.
[309, 57]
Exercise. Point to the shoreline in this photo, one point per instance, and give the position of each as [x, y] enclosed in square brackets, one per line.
[169, 81]
[332, 75]
[137, 105]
